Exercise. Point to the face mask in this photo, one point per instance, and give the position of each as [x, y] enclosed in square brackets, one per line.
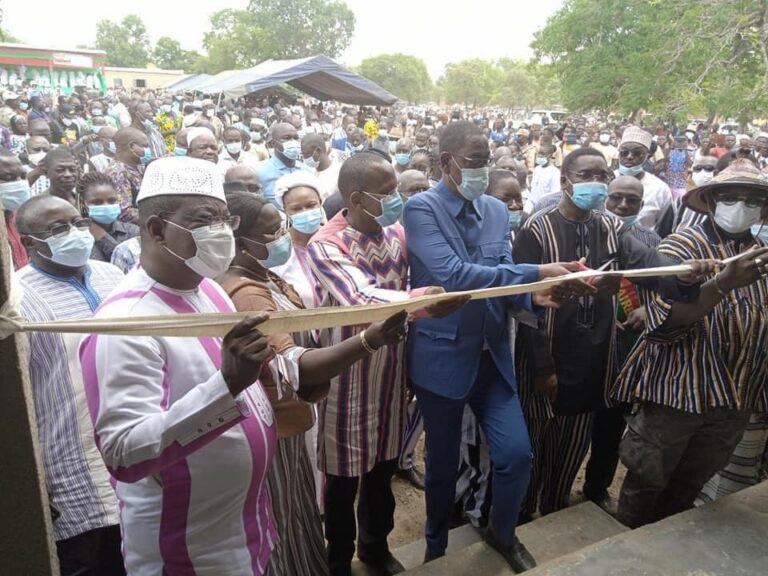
[66, 121]
[256, 136]
[215, 249]
[629, 221]
[391, 208]
[104, 214]
[72, 250]
[23, 106]
[148, 124]
[474, 182]
[146, 155]
[112, 147]
[179, 151]
[165, 108]
[589, 195]
[515, 218]
[209, 113]
[702, 177]
[309, 221]
[311, 163]
[605, 138]
[292, 149]
[14, 194]
[358, 148]
[760, 231]
[631, 170]
[36, 158]
[97, 112]
[402, 159]
[383, 134]
[541, 161]
[736, 218]
[278, 251]
[234, 147]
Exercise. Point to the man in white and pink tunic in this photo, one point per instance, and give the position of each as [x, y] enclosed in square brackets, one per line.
[183, 424]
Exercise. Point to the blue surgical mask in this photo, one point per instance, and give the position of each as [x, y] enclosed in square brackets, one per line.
[147, 157]
[72, 250]
[179, 151]
[278, 251]
[629, 221]
[541, 160]
[391, 208]
[631, 170]
[14, 194]
[760, 231]
[309, 221]
[589, 195]
[474, 182]
[292, 149]
[104, 214]
[402, 159]
[311, 163]
[515, 219]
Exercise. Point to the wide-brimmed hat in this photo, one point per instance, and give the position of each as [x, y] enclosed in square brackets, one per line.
[741, 173]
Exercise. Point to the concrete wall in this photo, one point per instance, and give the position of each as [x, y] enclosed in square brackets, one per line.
[132, 77]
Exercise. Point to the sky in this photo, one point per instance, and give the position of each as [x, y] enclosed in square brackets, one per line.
[432, 30]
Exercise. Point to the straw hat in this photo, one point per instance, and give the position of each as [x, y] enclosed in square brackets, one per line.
[741, 173]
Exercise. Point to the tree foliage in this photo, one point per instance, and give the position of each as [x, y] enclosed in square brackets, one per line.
[475, 81]
[126, 43]
[277, 29]
[169, 54]
[686, 57]
[404, 75]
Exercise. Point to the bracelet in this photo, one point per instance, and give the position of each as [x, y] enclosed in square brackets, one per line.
[718, 288]
[365, 344]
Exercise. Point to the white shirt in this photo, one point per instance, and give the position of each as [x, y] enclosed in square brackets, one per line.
[190, 460]
[545, 180]
[329, 180]
[656, 199]
[226, 161]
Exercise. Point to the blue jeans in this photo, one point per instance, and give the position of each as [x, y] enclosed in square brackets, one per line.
[497, 408]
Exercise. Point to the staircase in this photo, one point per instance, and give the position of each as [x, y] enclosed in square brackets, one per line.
[728, 537]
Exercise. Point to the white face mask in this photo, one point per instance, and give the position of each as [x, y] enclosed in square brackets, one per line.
[234, 147]
[36, 158]
[702, 177]
[605, 138]
[736, 218]
[215, 250]
[209, 113]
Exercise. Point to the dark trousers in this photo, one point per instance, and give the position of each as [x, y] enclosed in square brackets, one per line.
[670, 455]
[607, 429]
[375, 515]
[92, 553]
[497, 408]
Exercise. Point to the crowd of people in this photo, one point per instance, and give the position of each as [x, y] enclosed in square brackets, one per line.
[274, 455]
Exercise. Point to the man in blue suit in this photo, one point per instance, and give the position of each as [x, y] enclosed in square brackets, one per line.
[457, 238]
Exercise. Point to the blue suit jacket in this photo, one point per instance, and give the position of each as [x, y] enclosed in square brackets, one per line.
[444, 353]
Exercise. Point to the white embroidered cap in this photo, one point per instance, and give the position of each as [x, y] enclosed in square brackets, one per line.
[181, 175]
[294, 180]
[637, 135]
[196, 132]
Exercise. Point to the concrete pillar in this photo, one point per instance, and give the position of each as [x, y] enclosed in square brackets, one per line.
[26, 534]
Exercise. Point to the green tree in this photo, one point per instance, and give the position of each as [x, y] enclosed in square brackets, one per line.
[669, 58]
[404, 75]
[277, 29]
[475, 81]
[126, 43]
[169, 54]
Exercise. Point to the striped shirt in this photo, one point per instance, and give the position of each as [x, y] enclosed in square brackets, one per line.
[76, 479]
[363, 418]
[717, 362]
[189, 460]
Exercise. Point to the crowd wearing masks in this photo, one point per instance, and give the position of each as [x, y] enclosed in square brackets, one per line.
[258, 454]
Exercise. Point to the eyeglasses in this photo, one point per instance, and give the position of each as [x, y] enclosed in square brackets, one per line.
[604, 177]
[705, 168]
[750, 202]
[61, 230]
[636, 152]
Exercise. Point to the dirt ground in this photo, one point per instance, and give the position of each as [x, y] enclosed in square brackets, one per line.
[410, 512]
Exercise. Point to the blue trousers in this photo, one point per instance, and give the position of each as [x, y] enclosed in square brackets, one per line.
[497, 408]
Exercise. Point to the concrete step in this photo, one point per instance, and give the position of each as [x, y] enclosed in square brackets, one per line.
[547, 538]
[724, 538]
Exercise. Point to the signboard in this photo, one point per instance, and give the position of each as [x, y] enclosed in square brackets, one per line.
[74, 60]
[65, 80]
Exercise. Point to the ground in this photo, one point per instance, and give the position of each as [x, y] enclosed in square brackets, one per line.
[410, 512]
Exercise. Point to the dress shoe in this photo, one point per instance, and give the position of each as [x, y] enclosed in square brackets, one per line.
[428, 556]
[385, 565]
[609, 505]
[516, 555]
[412, 476]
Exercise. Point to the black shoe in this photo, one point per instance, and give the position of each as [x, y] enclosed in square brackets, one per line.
[604, 500]
[385, 565]
[412, 476]
[428, 557]
[516, 555]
